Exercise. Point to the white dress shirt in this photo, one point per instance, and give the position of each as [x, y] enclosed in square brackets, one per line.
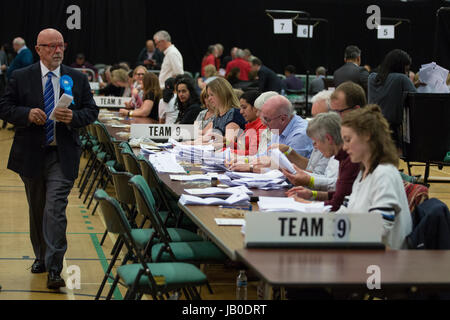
[172, 65]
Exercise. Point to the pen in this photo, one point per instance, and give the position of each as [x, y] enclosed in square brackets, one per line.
[249, 208]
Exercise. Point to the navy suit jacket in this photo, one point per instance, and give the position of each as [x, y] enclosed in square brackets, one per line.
[351, 72]
[268, 80]
[22, 60]
[24, 92]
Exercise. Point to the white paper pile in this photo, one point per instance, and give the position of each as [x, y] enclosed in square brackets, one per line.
[289, 204]
[234, 199]
[216, 190]
[435, 77]
[271, 180]
[165, 162]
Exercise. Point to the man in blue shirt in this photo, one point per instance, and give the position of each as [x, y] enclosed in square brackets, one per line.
[287, 128]
[23, 59]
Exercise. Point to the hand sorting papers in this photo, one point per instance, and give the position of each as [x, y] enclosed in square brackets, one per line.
[435, 77]
[280, 160]
[289, 204]
[63, 102]
[234, 199]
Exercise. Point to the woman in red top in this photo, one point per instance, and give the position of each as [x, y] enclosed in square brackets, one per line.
[209, 58]
[247, 143]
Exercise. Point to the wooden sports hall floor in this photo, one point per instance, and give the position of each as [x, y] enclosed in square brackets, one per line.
[84, 233]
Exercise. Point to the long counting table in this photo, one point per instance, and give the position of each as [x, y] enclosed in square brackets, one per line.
[317, 268]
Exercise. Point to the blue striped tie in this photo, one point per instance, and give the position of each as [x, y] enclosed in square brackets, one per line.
[49, 103]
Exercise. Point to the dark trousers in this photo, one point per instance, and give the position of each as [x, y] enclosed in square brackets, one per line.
[47, 201]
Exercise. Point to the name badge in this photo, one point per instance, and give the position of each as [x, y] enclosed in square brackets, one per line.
[111, 102]
[294, 229]
[164, 131]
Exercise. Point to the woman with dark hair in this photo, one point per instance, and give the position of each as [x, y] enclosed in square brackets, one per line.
[386, 88]
[151, 96]
[187, 102]
[247, 143]
[378, 188]
[168, 112]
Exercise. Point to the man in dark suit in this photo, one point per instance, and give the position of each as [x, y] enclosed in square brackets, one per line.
[23, 58]
[150, 56]
[267, 79]
[46, 153]
[351, 70]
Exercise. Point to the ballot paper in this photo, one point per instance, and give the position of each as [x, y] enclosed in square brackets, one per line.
[63, 102]
[192, 177]
[281, 161]
[215, 190]
[165, 162]
[234, 199]
[229, 222]
[289, 204]
[435, 78]
[272, 174]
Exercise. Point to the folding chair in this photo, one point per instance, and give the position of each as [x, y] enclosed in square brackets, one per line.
[167, 249]
[143, 277]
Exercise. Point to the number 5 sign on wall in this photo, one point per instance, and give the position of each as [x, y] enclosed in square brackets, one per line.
[282, 26]
[386, 32]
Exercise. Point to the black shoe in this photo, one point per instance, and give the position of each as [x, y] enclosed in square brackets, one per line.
[54, 280]
[38, 267]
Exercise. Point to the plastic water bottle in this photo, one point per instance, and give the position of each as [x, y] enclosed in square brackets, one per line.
[241, 286]
[283, 92]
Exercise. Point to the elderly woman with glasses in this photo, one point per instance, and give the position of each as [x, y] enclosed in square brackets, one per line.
[325, 131]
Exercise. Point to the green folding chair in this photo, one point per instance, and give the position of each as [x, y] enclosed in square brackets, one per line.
[156, 279]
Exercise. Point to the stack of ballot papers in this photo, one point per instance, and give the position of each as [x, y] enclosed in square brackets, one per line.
[233, 200]
[216, 190]
[271, 180]
[289, 204]
[435, 77]
[165, 162]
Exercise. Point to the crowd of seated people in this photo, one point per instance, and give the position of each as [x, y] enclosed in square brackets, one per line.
[338, 158]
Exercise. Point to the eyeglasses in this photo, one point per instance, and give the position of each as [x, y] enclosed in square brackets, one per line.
[267, 121]
[140, 74]
[53, 46]
[343, 110]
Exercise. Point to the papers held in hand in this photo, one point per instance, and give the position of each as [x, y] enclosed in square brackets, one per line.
[64, 102]
[280, 160]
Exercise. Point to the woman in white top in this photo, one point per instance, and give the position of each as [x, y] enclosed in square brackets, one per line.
[168, 112]
[378, 187]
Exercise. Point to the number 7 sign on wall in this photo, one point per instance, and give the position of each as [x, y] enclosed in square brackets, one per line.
[282, 26]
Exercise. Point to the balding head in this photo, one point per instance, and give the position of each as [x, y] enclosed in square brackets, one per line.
[18, 43]
[50, 48]
[277, 112]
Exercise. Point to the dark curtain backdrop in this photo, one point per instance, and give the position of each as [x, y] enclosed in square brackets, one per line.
[116, 30]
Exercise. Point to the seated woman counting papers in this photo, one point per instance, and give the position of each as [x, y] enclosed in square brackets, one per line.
[325, 131]
[228, 121]
[247, 143]
[378, 187]
[151, 96]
